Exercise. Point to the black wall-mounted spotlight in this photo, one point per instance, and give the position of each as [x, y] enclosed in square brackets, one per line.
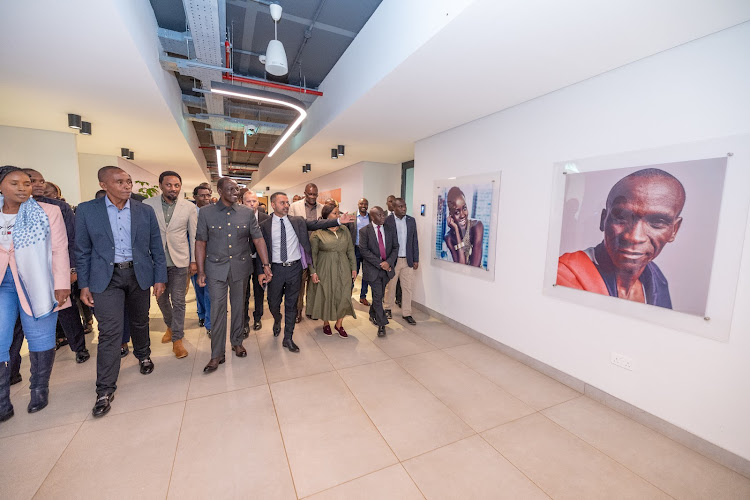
[268, 188]
[125, 153]
[74, 121]
[86, 128]
[308, 167]
[334, 153]
[131, 156]
[341, 150]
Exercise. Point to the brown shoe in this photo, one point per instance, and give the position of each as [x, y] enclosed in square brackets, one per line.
[167, 338]
[239, 351]
[364, 302]
[213, 364]
[178, 349]
[299, 317]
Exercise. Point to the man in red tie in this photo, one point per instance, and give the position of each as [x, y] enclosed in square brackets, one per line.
[378, 245]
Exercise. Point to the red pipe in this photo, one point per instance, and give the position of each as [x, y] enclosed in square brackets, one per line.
[227, 52]
[264, 83]
[237, 150]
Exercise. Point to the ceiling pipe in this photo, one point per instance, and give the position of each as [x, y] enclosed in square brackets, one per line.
[236, 150]
[264, 83]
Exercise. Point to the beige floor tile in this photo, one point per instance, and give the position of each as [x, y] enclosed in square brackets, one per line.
[391, 482]
[438, 333]
[533, 388]
[409, 416]
[479, 402]
[356, 350]
[329, 439]
[563, 465]
[468, 469]
[235, 373]
[64, 408]
[119, 456]
[28, 458]
[230, 447]
[280, 364]
[670, 466]
[398, 341]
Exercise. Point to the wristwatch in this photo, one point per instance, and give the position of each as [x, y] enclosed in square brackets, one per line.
[73, 270]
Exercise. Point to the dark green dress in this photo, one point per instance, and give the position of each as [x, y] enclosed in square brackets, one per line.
[333, 261]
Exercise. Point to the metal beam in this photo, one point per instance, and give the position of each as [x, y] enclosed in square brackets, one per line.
[252, 4]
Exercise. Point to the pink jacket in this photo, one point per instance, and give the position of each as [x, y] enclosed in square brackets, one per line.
[60, 259]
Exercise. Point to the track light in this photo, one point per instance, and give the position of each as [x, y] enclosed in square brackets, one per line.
[74, 121]
[334, 153]
[341, 150]
[125, 153]
[86, 128]
[131, 156]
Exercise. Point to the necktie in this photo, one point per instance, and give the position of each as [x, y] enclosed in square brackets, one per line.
[283, 241]
[381, 245]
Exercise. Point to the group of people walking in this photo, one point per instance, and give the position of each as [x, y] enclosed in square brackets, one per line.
[115, 251]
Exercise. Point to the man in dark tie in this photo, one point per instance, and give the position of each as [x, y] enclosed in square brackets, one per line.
[378, 245]
[119, 257]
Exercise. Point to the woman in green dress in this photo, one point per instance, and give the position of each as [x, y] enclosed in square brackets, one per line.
[333, 269]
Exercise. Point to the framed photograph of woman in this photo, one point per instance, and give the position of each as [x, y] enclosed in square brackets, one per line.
[465, 223]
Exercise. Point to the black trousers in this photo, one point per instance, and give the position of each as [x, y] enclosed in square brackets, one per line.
[285, 284]
[218, 290]
[378, 291]
[110, 304]
[258, 294]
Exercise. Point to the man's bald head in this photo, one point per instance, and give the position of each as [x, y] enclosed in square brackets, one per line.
[105, 172]
[655, 179]
[377, 215]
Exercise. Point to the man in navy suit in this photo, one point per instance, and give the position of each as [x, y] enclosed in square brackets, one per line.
[119, 257]
[408, 260]
[378, 245]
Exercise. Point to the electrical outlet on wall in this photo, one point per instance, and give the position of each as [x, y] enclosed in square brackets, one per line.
[622, 361]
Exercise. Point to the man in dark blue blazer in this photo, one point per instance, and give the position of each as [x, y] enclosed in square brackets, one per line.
[408, 260]
[119, 257]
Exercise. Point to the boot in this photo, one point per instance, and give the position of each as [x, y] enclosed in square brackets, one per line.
[167, 336]
[41, 369]
[178, 349]
[6, 409]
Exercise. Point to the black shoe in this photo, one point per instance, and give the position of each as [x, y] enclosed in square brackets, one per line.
[388, 314]
[398, 303]
[124, 350]
[381, 331]
[410, 320]
[276, 328]
[102, 405]
[289, 344]
[83, 355]
[246, 331]
[257, 325]
[88, 328]
[15, 379]
[208, 332]
[147, 366]
[373, 321]
[41, 369]
[60, 343]
[201, 323]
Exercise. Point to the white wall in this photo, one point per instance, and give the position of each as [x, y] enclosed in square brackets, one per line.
[694, 92]
[90, 165]
[54, 154]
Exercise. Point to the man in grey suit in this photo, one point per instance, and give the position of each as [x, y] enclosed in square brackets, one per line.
[177, 219]
[223, 256]
[119, 256]
[408, 260]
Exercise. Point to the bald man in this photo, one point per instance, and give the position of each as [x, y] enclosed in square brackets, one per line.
[641, 216]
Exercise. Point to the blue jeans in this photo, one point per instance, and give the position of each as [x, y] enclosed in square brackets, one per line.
[204, 303]
[40, 333]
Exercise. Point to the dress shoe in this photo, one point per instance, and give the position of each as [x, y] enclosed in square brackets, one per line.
[88, 328]
[388, 314]
[299, 317]
[276, 328]
[289, 344]
[381, 331]
[373, 321]
[102, 405]
[147, 366]
[213, 364]
[239, 351]
[178, 349]
[327, 330]
[308, 316]
[257, 325]
[15, 379]
[410, 320]
[167, 336]
[60, 343]
[201, 323]
[245, 331]
[208, 332]
[342, 332]
[364, 302]
[398, 303]
[82, 356]
[124, 350]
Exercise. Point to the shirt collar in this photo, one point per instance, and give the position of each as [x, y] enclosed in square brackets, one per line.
[165, 202]
[110, 204]
[366, 216]
[221, 206]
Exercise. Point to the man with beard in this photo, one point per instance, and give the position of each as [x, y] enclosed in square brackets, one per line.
[177, 220]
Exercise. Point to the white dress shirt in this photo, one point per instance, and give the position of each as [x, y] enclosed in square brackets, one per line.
[401, 230]
[292, 242]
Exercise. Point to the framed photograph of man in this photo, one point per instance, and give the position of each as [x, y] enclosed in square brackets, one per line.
[649, 238]
[465, 223]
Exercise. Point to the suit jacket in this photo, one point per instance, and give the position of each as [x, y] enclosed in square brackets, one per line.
[301, 228]
[412, 243]
[370, 252]
[95, 246]
[60, 262]
[181, 226]
[297, 209]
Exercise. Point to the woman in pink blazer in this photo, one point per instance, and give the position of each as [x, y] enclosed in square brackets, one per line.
[35, 271]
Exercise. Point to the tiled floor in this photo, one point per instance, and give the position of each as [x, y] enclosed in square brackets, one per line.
[426, 412]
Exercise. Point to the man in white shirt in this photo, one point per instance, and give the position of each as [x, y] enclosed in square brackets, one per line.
[407, 262]
[250, 200]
